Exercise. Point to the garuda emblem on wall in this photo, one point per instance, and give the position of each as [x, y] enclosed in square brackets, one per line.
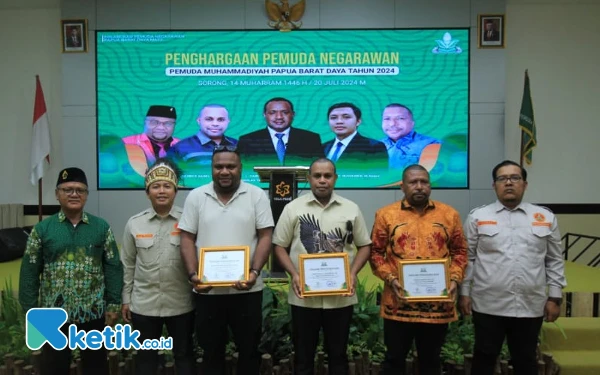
[284, 17]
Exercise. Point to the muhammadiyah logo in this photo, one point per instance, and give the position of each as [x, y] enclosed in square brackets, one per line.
[447, 45]
[42, 325]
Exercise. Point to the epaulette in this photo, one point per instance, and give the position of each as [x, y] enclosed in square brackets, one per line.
[145, 212]
[478, 207]
[544, 207]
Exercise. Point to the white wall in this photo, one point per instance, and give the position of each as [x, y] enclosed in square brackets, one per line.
[30, 40]
[560, 59]
[557, 41]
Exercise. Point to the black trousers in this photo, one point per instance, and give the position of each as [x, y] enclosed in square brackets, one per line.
[94, 362]
[242, 313]
[521, 336]
[399, 336]
[306, 324]
[180, 328]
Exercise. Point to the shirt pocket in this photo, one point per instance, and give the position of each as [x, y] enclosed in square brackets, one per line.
[175, 240]
[147, 254]
[95, 251]
[537, 247]
[175, 250]
[337, 236]
[489, 238]
[541, 232]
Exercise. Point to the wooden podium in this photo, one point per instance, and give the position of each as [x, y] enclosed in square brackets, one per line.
[283, 188]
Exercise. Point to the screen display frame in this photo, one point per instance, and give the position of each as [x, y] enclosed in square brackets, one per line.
[464, 43]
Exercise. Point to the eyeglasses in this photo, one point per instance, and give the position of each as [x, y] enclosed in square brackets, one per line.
[349, 236]
[503, 179]
[225, 148]
[70, 191]
[155, 123]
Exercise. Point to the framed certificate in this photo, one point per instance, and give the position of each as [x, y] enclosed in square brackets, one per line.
[324, 274]
[223, 266]
[425, 279]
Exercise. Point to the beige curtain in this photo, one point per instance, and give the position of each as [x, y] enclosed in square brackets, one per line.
[11, 215]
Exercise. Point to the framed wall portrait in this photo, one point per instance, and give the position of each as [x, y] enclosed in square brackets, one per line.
[74, 35]
[490, 31]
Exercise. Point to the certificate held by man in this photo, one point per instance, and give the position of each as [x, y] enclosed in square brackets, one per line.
[223, 266]
[324, 274]
[425, 279]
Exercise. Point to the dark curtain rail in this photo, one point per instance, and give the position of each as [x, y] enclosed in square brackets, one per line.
[557, 208]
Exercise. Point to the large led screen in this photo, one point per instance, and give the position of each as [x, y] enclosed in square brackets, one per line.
[389, 98]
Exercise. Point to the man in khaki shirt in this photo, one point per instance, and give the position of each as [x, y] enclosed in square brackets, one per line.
[156, 290]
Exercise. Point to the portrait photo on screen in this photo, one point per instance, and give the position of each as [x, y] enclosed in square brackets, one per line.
[373, 101]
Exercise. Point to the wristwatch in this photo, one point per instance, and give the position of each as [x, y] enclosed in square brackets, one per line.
[255, 271]
[556, 300]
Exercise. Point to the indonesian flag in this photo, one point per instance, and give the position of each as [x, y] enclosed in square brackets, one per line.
[40, 141]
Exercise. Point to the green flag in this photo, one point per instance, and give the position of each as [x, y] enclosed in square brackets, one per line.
[527, 124]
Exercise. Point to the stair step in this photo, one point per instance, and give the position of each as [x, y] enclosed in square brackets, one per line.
[580, 362]
[582, 334]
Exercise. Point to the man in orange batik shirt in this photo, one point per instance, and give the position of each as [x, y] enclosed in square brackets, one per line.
[416, 228]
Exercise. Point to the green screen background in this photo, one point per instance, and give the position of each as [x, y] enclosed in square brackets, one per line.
[131, 77]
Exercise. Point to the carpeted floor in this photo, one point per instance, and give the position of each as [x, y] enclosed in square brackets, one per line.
[579, 352]
[581, 278]
[10, 271]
